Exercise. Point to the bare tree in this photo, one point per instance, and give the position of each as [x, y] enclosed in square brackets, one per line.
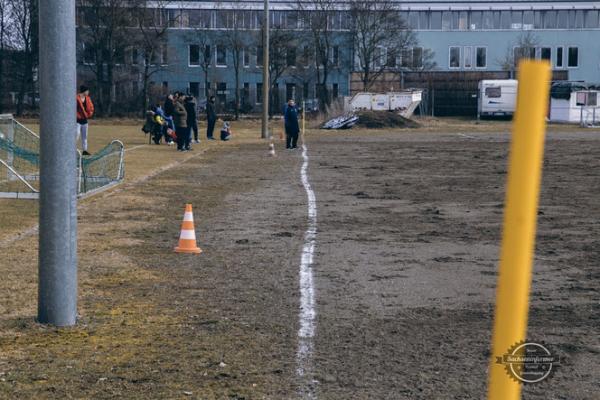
[381, 38]
[105, 35]
[24, 17]
[522, 48]
[236, 41]
[152, 20]
[200, 37]
[316, 16]
[280, 43]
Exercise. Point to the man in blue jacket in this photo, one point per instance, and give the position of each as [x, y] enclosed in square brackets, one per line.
[292, 128]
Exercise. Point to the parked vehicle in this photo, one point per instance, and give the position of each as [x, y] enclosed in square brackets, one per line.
[497, 98]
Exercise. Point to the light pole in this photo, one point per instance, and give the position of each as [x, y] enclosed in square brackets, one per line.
[265, 116]
[57, 287]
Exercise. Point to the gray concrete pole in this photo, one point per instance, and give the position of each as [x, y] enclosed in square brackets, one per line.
[266, 98]
[57, 290]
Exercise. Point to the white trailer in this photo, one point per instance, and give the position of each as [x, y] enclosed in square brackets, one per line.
[574, 102]
[497, 97]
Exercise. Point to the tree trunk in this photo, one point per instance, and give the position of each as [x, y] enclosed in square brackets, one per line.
[145, 99]
[237, 93]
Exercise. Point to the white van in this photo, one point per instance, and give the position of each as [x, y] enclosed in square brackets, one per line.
[497, 97]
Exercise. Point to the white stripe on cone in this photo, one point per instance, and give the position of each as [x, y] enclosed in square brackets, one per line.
[188, 216]
[188, 234]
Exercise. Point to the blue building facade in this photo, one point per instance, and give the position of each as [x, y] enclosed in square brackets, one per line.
[470, 37]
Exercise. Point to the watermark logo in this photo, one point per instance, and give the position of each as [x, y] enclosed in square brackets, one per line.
[529, 362]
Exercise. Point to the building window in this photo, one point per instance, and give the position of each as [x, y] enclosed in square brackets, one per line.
[435, 22]
[259, 93]
[423, 20]
[446, 20]
[378, 57]
[546, 53]
[335, 56]
[559, 57]
[291, 57]
[207, 55]
[550, 19]
[195, 89]
[246, 94]
[591, 19]
[573, 56]
[221, 56]
[406, 60]
[476, 20]
[89, 55]
[135, 56]
[222, 93]
[305, 91]
[468, 55]
[174, 18]
[335, 91]
[481, 61]
[417, 57]
[259, 56]
[454, 61]
[527, 20]
[290, 91]
[164, 55]
[562, 19]
[493, 92]
[194, 54]
[391, 61]
[224, 19]
[246, 57]
[307, 56]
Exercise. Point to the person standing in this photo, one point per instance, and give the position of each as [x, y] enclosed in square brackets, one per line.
[181, 127]
[85, 110]
[168, 115]
[192, 116]
[292, 128]
[211, 118]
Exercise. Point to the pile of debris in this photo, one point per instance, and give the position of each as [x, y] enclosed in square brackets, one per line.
[370, 119]
[345, 121]
[384, 119]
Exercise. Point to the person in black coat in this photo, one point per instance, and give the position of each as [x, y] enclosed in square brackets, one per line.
[291, 125]
[211, 118]
[168, 109]
[192, 116]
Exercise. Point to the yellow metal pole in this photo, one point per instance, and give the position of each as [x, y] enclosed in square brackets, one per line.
[522, 194]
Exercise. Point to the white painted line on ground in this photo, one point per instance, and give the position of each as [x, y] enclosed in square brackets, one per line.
[307, 314]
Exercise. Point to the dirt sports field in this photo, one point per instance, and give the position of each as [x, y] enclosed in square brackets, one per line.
[397, 302]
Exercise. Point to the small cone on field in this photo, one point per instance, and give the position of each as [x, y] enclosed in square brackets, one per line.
[272, 149]
[187, 238]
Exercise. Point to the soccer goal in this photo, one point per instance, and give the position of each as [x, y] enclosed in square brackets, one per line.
[20, 169]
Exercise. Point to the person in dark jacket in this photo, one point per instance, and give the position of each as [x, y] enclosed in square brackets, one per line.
[211, 118]
[168, 111]
[181, 127]
[192, 116]
[292, 128]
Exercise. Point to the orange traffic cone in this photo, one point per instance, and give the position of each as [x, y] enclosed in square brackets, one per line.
[187, 239]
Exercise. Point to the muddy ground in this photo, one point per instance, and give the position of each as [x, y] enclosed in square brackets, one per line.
[405, 263]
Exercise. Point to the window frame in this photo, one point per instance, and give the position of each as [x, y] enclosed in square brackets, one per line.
[450, 57]
[486, 56]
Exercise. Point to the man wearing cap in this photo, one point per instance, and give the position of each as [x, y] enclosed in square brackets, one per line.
[85, 110]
